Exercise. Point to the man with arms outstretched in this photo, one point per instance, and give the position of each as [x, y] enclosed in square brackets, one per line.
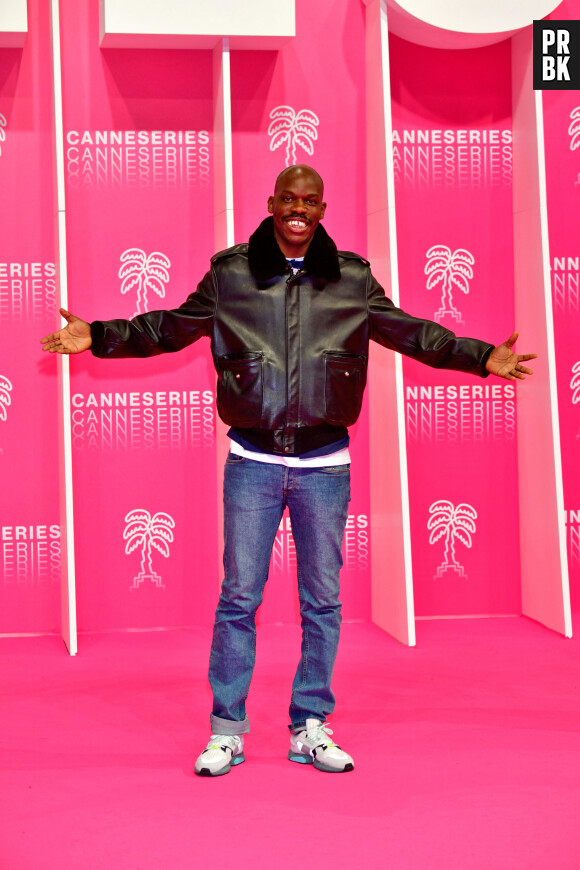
[290, 319]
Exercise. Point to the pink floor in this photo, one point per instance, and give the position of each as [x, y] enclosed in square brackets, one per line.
[467, 755]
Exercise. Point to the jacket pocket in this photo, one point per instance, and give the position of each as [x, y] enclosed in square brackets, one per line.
[240, 392]
[345, 378]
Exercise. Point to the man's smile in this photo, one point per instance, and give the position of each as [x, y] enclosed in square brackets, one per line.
[297, 223]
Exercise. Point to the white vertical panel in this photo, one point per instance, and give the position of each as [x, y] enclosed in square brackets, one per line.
[545, 585]
[391, 567]
[223, 220]
[68, 592]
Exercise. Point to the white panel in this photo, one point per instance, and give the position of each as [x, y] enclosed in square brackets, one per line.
[13, 23]
[183, 24]
[68, 593]
[462, 24]
[467, 16]
[545, 586]
[391, 569]
[223, 225]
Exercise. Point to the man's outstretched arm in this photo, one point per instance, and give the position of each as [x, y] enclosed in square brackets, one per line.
[433, 345]
[75, 337]
[504, 363]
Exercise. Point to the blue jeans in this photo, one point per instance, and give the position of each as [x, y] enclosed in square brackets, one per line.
[255, 495]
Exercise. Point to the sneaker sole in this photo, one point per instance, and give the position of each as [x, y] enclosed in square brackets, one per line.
[301, 759]
[206, 771]
[307, 759]
[346, 769]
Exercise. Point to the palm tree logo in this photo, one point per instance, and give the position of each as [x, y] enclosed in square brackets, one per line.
[293, 128]
[145, 273]
[146, 531]
[575, 386]
[2, 133]
[453, 523]
[575, 383]
[453, 269]
[574, 129]
[5, 398]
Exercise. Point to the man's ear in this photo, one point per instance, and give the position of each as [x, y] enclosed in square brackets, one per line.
[271, 204]
[322, 210]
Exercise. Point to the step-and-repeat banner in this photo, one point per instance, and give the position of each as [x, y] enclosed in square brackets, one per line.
[562, 133]
[139, 187]
[452, 142]
[29, 500]
[304, 104]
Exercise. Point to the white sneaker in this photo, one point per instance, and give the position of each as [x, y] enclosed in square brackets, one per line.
[221, 754]
[314, 746]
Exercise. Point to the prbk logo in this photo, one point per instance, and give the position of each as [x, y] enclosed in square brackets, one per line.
[453, 158]
[142, 272]
[451, 524]
[31, 554]
[2, 131]
[148, 533]
[161, 419]
[5, 397]
[27, 291]
[127, 159]
[355, 547]
[556, 55]
[466, 412]
[450, 270]
[573, 525]
[293, 129]
[565, 284]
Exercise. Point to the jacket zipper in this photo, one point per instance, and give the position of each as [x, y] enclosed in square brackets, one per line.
[289, 281]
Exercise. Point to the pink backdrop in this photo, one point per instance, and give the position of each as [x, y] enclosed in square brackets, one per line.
[562, 133]
[29, 504]
[287, 90]
[138, 127]
[139, 196]
[452, 141]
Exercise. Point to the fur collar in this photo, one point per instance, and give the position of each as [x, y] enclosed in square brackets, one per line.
[266, 260]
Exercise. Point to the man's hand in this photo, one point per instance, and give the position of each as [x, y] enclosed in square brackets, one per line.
[74, 338]
[504, 363]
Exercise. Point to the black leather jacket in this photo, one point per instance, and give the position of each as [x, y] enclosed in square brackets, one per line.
[290, 351]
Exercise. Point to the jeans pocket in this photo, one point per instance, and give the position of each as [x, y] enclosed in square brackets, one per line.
[335, 469]
[235, 459]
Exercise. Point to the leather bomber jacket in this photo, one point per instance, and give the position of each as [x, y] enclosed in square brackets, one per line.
[290, 351]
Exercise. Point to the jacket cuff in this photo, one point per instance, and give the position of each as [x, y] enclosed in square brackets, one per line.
[484, 359]
[97, 336]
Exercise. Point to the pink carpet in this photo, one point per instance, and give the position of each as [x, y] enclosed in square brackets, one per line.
[467, 755]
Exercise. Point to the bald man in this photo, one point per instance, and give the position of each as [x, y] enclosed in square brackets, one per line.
[290, 319]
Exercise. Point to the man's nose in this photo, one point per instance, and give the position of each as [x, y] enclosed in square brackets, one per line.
[299, 205]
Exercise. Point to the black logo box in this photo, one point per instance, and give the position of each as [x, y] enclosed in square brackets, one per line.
[556, 55]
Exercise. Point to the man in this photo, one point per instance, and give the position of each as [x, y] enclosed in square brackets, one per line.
[290, 319]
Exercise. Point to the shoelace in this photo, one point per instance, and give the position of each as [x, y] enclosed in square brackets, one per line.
[216, 741]
[320, 734]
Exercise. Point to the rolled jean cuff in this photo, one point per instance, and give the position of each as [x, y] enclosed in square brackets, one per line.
[229, 727]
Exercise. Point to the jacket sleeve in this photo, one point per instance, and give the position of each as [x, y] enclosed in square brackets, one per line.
[157, 331]
[423, 340]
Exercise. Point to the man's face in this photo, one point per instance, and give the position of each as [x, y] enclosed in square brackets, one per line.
[297, 208]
